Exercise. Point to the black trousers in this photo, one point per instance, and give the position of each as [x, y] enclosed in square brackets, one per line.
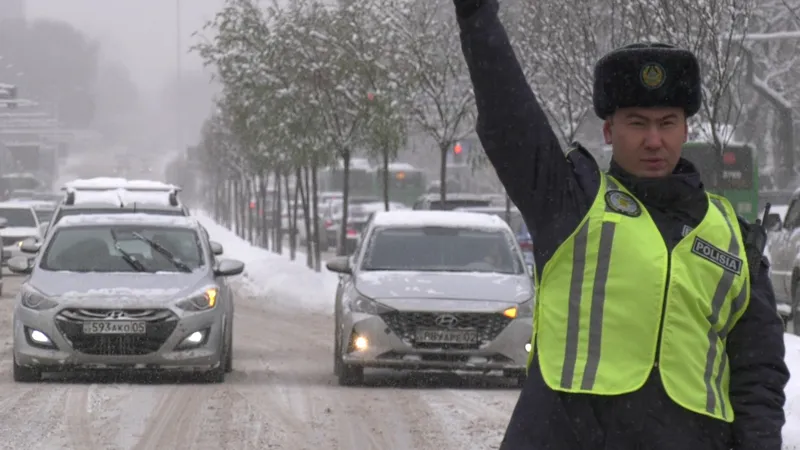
[647, 419]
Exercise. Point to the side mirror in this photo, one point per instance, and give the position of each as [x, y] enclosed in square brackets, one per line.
[228, 268]
[216, 247]
[340, 264]
[3, 223]
[20, 264]
[30, 245]
[772, 222]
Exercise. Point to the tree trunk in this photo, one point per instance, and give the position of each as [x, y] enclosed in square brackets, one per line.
[302, 182]
[315, 214]
[342, 244]
[443, 174]
[291, 211]
[386, 178]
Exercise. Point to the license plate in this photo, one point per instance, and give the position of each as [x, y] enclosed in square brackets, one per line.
[113, 327]
[433, 336]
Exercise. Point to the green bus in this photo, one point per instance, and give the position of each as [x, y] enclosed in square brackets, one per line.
[406, 183]
[732, 174]
[362, 179]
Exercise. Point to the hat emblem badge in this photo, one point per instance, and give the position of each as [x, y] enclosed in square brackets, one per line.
[652, 75]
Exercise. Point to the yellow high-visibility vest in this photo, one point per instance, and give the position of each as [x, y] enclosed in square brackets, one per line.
[613, 304]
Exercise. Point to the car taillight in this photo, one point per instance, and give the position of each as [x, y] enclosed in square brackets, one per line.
[526, 245]
[328, 224]
[351, 232]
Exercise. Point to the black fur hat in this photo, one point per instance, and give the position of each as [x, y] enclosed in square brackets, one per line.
[647, 75]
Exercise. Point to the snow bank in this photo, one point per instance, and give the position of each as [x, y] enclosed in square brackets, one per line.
[791, 431]
[274, 276]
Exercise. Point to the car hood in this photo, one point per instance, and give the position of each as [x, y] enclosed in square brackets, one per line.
[98, 290]
[410, 290]
[19, 231]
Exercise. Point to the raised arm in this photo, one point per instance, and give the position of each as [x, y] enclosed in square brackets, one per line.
[512, 126]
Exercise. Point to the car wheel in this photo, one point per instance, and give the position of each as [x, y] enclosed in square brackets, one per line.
[518, 376]
[794, 315]
[337, 351]
[217, 374]
[24, 374]
[350, 375]
[229, 351]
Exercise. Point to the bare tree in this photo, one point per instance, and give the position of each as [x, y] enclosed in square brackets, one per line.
[443, 101]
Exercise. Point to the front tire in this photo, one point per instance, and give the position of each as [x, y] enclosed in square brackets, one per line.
[23, 374]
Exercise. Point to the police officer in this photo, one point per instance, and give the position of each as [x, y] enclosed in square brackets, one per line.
[651, 329]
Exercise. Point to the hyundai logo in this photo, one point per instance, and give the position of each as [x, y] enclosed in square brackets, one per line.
[116, 315]
[446, 320]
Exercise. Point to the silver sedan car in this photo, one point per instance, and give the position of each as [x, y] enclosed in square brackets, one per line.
[124, 291]
[433, 290]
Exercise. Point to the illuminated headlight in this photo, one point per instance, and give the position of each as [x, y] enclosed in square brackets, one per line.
[200, 302]
[524, 309]
[38, 338]
[365, 305]
[193, 340]
[19, 244]
[36, 301]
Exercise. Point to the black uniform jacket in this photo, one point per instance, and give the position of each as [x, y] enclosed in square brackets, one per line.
[554, 192]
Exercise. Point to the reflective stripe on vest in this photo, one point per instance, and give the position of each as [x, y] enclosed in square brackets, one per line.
[601, 295]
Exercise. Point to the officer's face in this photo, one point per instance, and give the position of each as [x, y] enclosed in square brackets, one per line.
[647, 142]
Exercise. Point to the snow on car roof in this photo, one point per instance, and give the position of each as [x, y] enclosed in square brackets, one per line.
[128, 219]
[118, 183]
[36, 204]
[15, 205]
[449, 219]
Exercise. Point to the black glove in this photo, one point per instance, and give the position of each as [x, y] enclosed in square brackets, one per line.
[466, 8]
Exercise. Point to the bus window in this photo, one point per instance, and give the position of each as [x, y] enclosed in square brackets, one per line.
[737, 168]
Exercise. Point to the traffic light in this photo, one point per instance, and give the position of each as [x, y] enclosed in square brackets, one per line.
[458, 153]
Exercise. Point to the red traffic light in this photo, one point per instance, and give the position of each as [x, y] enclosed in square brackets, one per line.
[457, 149]
[729, 158]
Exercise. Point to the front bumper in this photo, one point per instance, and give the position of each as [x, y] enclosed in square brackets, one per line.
[391, 346]
[157, 349]
[11, 251]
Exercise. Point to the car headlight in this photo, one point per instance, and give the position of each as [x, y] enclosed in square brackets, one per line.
[365, 305]
[523, 310]
[200, 302]
[36, 301]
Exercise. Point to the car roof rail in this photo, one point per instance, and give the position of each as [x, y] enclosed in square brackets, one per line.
[173, 198]
[70, 199]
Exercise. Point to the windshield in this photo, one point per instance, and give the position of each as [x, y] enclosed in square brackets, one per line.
[441, 249]
[450, 205]
[43, 215]
[18, 217]
[91, 248]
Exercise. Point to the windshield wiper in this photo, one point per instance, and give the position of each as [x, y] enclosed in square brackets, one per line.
[127, 257]
[180, 265]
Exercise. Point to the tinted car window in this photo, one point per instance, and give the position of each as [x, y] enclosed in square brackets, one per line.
[18, 217]
[92, 248]
[441, 249]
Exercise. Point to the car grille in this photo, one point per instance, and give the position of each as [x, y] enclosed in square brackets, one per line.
[405, 324]
[160, 325]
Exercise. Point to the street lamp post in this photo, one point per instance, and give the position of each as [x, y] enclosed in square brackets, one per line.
[178, 93]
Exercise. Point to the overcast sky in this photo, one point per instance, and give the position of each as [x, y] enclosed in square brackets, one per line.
[139, 33]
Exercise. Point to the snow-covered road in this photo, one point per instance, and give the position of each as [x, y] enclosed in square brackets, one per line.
[281, 395]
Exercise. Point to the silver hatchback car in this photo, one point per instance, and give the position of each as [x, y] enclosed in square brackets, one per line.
[124, 291]
[433, 290]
